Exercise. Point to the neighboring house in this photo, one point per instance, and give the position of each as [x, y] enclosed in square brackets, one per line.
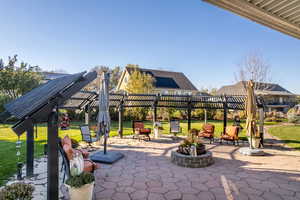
[276, 98]
[166, 82]
[52, 75]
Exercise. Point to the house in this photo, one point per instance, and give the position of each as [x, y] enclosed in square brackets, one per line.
[276, 98]
[166, 82]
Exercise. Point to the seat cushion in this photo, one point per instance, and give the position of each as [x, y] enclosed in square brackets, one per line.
[85, 153]
[227, 137]
[66, 140]
[89, 166]
[69, 151]
[145, 130]
[205, 134]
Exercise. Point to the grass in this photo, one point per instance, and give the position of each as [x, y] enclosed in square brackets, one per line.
[8, 160]
[288, 134]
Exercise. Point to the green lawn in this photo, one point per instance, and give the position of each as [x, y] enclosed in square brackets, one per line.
[289, 134]
[8, 138]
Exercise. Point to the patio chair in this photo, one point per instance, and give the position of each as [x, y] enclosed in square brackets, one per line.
[207, 131]
[86, 135]
[140, 130]
[231, 134]
[175, 127]
[67, 152]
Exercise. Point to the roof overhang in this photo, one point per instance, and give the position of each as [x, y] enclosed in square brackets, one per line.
[281, 15]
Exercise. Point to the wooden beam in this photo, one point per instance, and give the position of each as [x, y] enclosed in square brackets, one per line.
[52, 170]
[261, 126]
[225, 115]
[87, 111]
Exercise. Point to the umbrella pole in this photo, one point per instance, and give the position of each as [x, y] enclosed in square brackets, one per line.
[105, 143]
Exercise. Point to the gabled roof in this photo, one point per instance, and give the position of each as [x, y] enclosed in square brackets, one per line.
[167, 79]
[260, 89]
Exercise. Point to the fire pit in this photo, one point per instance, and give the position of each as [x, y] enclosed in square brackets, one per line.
[191, 153]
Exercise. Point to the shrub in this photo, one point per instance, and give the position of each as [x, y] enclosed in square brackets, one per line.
[80, 180]
[293, 116]
[20, 191]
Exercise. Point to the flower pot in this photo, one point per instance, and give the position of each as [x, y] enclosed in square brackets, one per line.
[157, 133]
[255, 142]
[85, 192]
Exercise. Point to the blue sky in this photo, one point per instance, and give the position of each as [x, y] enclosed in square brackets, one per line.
[203, 41]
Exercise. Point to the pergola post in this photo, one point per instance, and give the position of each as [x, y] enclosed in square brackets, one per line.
[205, 116]
[29, 150]
[87, 114]
[121, 114]
[52, 172]
[189, 114]
[261, 126]
[155, 109]
[225, 115]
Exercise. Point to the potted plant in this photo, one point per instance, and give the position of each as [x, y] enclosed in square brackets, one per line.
[157, 129]
[190, 143]
[17, 191]
[80, 184]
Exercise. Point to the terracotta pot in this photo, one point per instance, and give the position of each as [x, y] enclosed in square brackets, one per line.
[85, 192]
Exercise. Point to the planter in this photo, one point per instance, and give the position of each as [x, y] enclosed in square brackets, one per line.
[186, 150]
[255, 142]
[85, 192]
[157, 133]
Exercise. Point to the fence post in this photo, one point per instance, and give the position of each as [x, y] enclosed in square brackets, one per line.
[225, 114]
[121, 114]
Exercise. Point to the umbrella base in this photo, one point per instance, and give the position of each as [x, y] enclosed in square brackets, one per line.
[251, 152]
[109, 158]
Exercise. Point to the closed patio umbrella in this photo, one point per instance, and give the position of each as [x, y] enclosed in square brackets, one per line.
[251, 109]
[104, 124]
[103, 114]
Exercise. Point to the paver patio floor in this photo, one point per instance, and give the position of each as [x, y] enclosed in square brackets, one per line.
[146, 172]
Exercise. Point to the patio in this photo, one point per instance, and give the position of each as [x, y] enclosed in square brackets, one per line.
[146, 172]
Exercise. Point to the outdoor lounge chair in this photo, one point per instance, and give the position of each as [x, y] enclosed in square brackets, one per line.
[231, 134]
[140, 130]
[86, 135]
[207, 131]
[175, 126]
[67, 152]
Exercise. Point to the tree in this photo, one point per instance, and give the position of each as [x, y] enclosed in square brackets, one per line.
[254, 67]
[17, 80]
[115, 74]
[140, 82]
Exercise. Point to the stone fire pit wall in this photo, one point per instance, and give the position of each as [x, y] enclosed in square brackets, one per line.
[203, 160]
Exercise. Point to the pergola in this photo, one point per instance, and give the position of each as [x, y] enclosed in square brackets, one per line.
[85, 100]
[281, 15]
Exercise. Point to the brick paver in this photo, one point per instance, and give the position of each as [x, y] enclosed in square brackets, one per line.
[146, 172]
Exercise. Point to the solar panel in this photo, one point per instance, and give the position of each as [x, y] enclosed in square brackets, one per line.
[165, 82]
[33, 100]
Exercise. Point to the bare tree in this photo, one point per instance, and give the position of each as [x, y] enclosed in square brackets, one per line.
[254, 67]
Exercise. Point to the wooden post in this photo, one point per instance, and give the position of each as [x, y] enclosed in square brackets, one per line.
[225, 115]
[189, 115]
[154, 114]
[261, 126]
[30, 150]
[87, 114]
[205, 116]
[121, 111]
[52, 172]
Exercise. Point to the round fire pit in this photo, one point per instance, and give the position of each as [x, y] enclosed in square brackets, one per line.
[203, 160]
